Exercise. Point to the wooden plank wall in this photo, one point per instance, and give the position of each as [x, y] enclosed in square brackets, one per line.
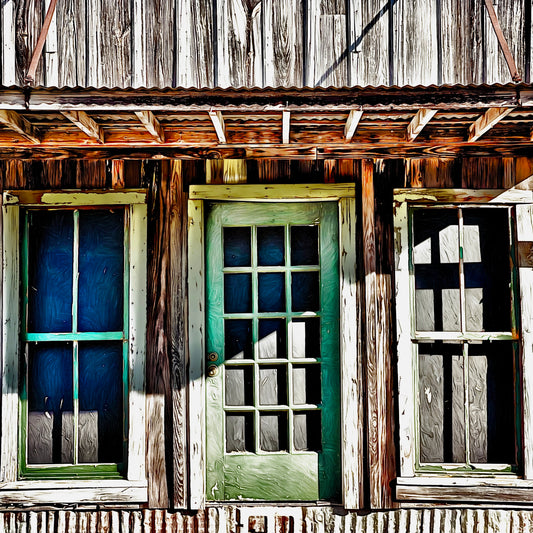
[199, 43]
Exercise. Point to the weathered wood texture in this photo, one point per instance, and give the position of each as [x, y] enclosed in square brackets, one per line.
[195, 43]
[296, 519]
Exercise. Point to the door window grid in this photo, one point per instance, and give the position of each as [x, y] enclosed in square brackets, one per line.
[467, 340]
[72, 340]
[289, 413]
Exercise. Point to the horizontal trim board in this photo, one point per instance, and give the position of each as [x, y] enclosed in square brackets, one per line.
[456, 196]
[73, 198]
[267, 193]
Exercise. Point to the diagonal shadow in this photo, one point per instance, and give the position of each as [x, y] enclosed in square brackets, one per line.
[353, 47]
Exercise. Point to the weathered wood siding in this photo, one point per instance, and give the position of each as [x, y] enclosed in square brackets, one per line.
[293, 520]
[199, 43]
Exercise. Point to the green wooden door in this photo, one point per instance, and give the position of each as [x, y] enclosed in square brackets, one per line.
[273, 385]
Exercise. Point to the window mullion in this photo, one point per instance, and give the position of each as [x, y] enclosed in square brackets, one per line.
[462, 293]
[75, 377]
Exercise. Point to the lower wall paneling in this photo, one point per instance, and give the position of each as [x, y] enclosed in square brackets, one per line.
[255, 519]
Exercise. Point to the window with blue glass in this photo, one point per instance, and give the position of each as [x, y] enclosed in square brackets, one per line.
[75, 342]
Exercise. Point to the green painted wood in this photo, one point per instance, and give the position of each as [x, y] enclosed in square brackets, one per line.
[257, 474]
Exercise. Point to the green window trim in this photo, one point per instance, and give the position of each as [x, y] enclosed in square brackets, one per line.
[127, 480]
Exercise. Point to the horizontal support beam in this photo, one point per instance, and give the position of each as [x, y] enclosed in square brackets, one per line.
[351, 123]
[20, 125]
[280, 151]
[486, 122]
[218, 123]
[419, 122]
[153, 125]
[86, 124]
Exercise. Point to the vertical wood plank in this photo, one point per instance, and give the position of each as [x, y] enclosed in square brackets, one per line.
[326, 61]
[461, 44]
[177, 328]
[235, 64]
[138, 52]
[117, 173]
[9, 71]
[415, 43]
[157, 363]
[51, 59]
[71, 18]
[195, 43]
[368, 42]
[283, 43]
[160, 38]
[196, 353]
[352, 401]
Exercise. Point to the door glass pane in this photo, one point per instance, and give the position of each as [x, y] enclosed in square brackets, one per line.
[240, 432]
[492, 410]
[50, 260]
[305, 291]
[273, 385]
[271, 292]
[305, 337]
[272, 343]
[101, 271]
[50, 404]
[487, 269]
[306, 384]
[238, 339]
[441, 396]
[237, 247]
[100, 424]
[436, 266]
[304, 245]
[307, 431]
[239, 385]
[271, 246]
[238, 293]
[273, 432]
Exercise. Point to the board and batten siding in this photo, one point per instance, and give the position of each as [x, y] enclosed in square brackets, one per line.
[233, 43]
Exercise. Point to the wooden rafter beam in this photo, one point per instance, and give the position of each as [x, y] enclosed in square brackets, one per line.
[286, 127]
[218, 123]
[351, 123]
[150, 122]
[487, 121]
[419, 122]
[86, 124]
[16, 122]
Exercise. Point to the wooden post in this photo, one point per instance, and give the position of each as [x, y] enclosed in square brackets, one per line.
[378, 370]
[157, 363]
[177, 329]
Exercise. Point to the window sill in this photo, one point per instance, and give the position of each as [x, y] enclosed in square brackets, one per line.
[73, 492]
[504, 489]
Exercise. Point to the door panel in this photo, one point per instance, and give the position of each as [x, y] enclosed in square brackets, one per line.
[273, 381]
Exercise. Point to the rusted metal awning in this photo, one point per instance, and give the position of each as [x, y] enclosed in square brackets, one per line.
[308, 123]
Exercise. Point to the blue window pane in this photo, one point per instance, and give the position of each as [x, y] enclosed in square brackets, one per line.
[50, 404]
[100, 400]
[271, 246]
[305, 291]
[304, 245]
[238, 293]
[238, 339]
[237, 247]
[271, 292]
[50, 259]
[101, 268]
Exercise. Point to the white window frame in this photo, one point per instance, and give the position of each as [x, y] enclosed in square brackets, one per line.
[452, 486]
[351, 374]
[133, 488]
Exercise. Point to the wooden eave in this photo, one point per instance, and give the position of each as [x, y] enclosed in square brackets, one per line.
[299, 123]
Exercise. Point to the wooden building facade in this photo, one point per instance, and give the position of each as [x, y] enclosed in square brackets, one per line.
[280, 290]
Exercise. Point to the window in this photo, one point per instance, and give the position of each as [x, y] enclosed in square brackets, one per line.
[79, 358]
[460, 350]
[274, 376]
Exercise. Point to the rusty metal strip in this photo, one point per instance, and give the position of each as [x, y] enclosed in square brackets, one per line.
[30, 76]
[503, 42]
